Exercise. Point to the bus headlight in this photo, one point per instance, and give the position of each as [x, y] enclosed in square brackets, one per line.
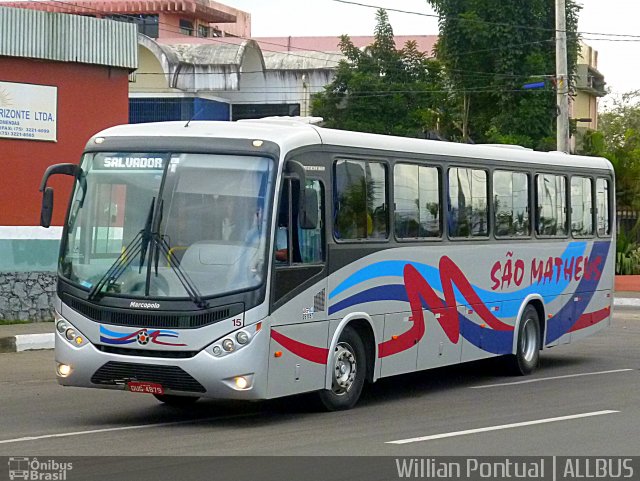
[242, 337]
[62, 326]
[63, 370]
[235, 341]
[228, 345]
[70, 333]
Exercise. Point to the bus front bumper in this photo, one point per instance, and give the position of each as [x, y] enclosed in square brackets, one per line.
[203, 375]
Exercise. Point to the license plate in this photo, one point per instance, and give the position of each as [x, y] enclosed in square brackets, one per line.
[145, 387]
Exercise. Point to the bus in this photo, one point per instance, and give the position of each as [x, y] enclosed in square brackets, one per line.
[264, 258]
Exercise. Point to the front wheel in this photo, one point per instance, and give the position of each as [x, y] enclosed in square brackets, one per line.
[348, 372]
[527, 355]
[176, 401]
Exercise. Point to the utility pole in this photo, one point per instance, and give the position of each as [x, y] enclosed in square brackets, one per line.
[562, 78]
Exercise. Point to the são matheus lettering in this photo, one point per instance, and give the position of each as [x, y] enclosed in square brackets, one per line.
[511, 272]
[133, 162]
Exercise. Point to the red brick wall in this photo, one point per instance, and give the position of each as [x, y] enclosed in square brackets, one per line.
[90, 98]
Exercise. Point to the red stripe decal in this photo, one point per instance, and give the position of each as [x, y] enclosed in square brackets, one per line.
[589, 319]
[311, 353]
[418, 288]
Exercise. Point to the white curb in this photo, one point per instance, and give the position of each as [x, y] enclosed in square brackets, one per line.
[30, 342]
[27, 342]
[626, 302]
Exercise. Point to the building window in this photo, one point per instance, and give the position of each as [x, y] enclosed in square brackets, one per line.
[147, 24]
[551, 215]
[468, 214]
[360, 203]
[581, 207]
[203, 31]
[416, 196]
[511, 204]
[186, 27]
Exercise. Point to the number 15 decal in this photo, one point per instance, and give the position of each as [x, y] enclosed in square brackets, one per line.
[237, 323]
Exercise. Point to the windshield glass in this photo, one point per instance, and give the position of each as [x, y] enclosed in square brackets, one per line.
[168, 225]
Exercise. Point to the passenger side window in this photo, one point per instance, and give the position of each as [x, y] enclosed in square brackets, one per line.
[581, 207]
[468, 214]
[551, 215]
[416, 197]
[511, 204]
[360, 200]
[602, 208]
[294, 245]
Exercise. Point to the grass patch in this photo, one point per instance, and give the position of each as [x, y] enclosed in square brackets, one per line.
[9, 322]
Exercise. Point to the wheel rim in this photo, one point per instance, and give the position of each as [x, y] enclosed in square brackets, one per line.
[529, 341]
[344, 368]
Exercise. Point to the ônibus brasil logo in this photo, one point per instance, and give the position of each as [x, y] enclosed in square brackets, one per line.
[34, 469]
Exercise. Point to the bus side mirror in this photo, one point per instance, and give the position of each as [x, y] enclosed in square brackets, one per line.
[309, 216]
[46, 211]
[47, 207]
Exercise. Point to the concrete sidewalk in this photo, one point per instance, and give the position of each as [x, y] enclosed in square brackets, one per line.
[40, 335]
[26, 337]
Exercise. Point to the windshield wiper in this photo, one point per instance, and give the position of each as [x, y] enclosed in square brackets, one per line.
[160, 244]
[138, 245]
[185, 280]
[147, 236]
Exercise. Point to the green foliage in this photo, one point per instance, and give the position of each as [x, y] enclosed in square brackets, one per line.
[384, 90]
[627, 255]
[619, 141]
[490, 50]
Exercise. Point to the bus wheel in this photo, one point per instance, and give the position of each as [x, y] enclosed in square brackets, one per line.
[176, 401]
[527, 355]
[347, 372]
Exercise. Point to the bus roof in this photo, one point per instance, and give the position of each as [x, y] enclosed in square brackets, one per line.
[291, 133]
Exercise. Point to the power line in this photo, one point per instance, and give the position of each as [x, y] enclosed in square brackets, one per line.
[486, 22]
[219, 39]
[473, 75]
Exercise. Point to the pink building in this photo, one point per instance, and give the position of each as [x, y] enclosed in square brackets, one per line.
[330, 44]
[158, 18]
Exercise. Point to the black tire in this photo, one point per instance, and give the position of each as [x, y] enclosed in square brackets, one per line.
[349, 371]
[527, 355]
[176, 401]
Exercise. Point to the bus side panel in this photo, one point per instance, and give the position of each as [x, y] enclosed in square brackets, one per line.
[435, 349]
[483, 348]
[297, 358]
[395, 325]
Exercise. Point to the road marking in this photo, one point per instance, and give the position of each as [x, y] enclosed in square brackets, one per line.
[498, 428]
[121, 428]
[550, 378]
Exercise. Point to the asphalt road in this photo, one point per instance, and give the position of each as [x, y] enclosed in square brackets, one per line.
[472, 409]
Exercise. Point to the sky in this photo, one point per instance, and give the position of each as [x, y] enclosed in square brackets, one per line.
[618, 61]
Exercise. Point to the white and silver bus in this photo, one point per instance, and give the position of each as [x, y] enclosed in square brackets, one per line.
[258, 259]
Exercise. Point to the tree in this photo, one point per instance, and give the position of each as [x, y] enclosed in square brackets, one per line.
[490, 50]
[618, 139]
[384, 90]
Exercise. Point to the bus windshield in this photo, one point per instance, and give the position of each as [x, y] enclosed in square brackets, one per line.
[168, 225]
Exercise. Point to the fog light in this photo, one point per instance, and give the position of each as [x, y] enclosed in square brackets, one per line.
[63, 370]
[217, 350]
[242, 337]
[70, 334]
[241, 382]
[228, 345]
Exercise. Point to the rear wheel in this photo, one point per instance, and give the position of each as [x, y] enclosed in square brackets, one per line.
[348, 372]
[527, 355]
[176, 401]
